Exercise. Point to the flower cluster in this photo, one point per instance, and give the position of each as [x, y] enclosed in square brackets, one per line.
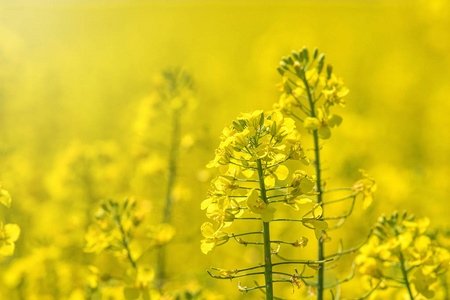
[252, 151]
[309, 91]
[9, 233]
[401, 251]
[115, 225]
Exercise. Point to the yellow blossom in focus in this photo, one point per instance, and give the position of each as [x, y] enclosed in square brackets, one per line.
[322, 123]
[301, 183]
[367, 186]
[258, 206]
[211, 238]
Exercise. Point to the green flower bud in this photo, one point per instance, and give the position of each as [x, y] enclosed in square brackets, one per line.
[281, 71]
[329, 71]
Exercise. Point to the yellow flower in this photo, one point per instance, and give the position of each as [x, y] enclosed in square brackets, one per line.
[322, 123]
[421, 224]
[224, 211]
[335, 91]
[367, 186]
[97, 241]
[254, 120]
[258, 206]
[276, 173]
[9, 234]
[211, 238]
[93, 278]
[301, 183]
[162, 233]
[295, 202]
[368, 266]
[297, 153]
[223, 183]
[424, 283]
[319, 227]
[301, 243]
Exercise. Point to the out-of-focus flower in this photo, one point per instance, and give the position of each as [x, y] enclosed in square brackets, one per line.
[9, 234]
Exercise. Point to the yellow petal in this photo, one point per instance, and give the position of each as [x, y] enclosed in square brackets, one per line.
[206, 246]
[317, 211]
[334, 120]
[5, 198]
[6, 249]
[247, 172]
[206, 203]
[304, 201]
[269, 181]
[12, 231]
[306, 185]
[324, 132]
[207, 229]
[282, 172]
[268, 214]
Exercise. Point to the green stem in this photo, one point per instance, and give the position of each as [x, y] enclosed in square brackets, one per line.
[445, 284]
[167, 214]
[320, 254]
[405, 275]
[125, 242]
[266, 234]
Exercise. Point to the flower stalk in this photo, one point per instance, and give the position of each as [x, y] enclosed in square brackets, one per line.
[266, 235]
[405, 275]
[310, 92]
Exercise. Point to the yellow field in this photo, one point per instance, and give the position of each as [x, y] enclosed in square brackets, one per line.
[79, 125]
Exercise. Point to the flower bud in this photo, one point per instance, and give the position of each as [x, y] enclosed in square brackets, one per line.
[329, 71]
[305, 54]
[281, 71]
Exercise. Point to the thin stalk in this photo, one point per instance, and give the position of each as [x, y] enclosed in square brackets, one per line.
[168, 206]
[320, 252]
[405, 275]
[445, 284]
[266, 234]
[125, 241]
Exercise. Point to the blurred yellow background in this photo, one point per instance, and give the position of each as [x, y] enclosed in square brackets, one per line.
[75, 76]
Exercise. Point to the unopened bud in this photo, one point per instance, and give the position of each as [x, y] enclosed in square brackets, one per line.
[290, 61]
[281, 71]
[305, 54]
[297, 68]
[316, 52]
[329, 71]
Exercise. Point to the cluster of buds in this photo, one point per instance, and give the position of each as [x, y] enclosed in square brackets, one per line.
[310, 90]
